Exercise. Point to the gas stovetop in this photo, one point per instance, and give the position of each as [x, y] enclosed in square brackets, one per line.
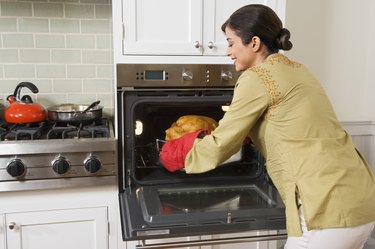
[55, 155]
[53, 130]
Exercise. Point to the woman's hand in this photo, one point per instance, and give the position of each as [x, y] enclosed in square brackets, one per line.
[174, 151]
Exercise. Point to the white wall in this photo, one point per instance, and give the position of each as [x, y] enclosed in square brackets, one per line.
[334, 39]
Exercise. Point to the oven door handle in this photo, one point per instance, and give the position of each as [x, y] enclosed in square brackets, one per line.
[206, 242]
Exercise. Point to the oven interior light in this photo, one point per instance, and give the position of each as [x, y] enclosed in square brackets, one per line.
[138, 127]
[225, 108]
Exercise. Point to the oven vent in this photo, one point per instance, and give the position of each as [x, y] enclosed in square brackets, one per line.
[188, 94]
[212, 222]
[216, 94]
[245, 220]
[153, 94]
[276, 218]
[204, 93]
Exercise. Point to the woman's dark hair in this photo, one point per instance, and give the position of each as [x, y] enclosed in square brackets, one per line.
[259, 20]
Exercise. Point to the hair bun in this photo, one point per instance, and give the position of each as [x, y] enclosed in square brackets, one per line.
[282, 40]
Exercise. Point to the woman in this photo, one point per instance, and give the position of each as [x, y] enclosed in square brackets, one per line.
[326, 185]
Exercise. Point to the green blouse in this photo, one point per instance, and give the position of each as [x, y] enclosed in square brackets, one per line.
[290, 120]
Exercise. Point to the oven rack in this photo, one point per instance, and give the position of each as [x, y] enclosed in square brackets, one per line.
[148, 156]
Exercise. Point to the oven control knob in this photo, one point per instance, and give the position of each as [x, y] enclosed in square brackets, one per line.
[16, 168]
[187, 75]
[226, 76]
[92, 164]
[60, 165]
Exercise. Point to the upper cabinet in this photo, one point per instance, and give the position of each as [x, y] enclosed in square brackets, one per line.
[184, 31]
[162, 27]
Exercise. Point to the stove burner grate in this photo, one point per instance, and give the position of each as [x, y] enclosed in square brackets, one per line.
[27, 131]
[95, 129]
[50, 130]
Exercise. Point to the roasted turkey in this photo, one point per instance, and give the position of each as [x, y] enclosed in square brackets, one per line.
[189, 123]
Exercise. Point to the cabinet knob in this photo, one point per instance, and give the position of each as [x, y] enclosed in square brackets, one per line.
[210, 45]
[196, 44]
[12, 225]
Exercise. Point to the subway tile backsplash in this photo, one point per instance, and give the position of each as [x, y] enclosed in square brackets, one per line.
[64, 47]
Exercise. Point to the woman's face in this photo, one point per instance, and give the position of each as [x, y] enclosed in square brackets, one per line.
[244, 56]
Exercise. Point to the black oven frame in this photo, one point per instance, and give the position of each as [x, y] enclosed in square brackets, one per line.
[133, 188]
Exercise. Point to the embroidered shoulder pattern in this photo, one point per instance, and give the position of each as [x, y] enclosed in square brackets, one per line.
[269, 83]
[271, 87]
[281, 59]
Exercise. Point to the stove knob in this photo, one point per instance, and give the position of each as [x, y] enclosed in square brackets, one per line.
[60, 165]
[16, 168]
[92, 164]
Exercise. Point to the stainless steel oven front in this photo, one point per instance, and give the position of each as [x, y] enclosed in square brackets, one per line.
[155, 203]
[49, 155]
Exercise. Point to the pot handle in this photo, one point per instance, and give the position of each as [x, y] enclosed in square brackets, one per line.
[29, 85]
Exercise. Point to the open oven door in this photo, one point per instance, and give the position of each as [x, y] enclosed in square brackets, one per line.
[155, 203]
[198, 209]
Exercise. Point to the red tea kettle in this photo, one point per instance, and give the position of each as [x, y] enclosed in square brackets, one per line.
[23, 110]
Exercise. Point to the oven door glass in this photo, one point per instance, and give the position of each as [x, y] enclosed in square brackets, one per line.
[168, 211]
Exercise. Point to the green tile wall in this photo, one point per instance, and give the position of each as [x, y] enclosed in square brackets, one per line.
[63, 46]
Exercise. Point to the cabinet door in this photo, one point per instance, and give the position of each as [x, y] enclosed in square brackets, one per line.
[167, 27]
[2, 231]
[216, 12]
[58, 229]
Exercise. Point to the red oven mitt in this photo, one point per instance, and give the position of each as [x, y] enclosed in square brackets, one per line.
[173, 152]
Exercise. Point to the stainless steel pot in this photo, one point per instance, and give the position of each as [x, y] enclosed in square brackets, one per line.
[75, 113]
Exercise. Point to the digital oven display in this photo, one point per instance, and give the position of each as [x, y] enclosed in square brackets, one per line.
[154, 75]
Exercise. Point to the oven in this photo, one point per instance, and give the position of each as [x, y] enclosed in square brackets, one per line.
[154, 203]
[50, 155]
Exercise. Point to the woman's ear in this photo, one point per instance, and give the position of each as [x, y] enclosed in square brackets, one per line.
[255, 43]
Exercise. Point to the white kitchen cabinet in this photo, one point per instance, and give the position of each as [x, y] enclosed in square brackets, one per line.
[82, 218]
[2, 231]
[59, 229]
[216, 12]
[167, 28]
